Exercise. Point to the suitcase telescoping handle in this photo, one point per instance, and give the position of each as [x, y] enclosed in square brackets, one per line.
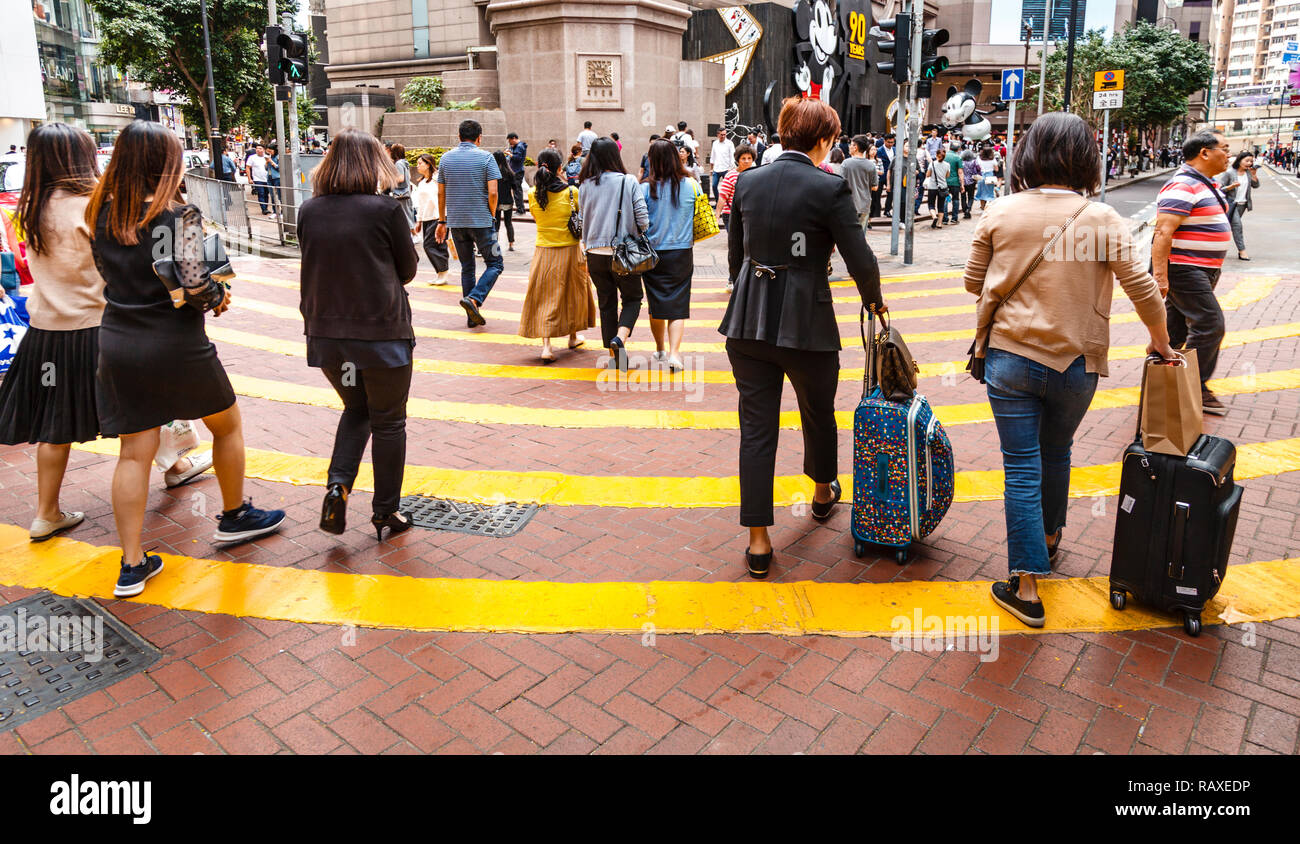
[868, 314]
[1182, 511]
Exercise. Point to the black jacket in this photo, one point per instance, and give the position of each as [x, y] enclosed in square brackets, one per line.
[787, 216]
[356, 255]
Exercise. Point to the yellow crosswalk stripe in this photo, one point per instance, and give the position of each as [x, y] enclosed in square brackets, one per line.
[1260, 591]
[547, 417]
[557, 488]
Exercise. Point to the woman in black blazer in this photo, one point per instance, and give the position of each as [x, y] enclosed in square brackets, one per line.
[785, 219]
[357, 256]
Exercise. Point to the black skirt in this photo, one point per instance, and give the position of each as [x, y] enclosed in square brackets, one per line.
[49, 394]
[668, 285]
[150, 375]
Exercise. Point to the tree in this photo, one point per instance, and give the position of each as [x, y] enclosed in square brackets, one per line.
[257, 115]
[160, 43]
[1161, 70]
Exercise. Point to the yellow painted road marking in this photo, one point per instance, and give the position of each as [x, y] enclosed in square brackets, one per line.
[640, 379]
[494, 486]
[549, 417]
[1262, 591]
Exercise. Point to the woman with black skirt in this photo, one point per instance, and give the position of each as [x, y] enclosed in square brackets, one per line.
[48, 396]
[156, 363]
[357, 257]
[505, 211]
[669, 194]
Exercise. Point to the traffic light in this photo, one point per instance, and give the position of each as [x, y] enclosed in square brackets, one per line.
[932, 64]
[293, 57]
[900, 49]
[273, 71]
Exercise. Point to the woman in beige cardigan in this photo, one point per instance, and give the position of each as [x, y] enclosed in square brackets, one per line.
[1048, 342]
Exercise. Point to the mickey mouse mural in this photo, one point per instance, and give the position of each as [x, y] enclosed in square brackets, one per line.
[960, 110]
[817, 71]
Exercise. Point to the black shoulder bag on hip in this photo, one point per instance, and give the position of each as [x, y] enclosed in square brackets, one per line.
[633, 254]
[975, 366]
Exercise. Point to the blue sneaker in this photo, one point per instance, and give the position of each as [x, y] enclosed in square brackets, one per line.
[247, 522]
[133, 578]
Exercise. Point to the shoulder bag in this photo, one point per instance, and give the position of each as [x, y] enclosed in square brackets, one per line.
[705, 224]
[975, 366]
[890, 366]
[633, 253]
[575, 219]
[217, 274]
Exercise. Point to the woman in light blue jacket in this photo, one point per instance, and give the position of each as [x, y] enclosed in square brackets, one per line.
[669, 194]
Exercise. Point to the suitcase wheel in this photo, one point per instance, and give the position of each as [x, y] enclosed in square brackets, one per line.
[900, 556]
[1192, 623]
[1118, 599]
[859, 548]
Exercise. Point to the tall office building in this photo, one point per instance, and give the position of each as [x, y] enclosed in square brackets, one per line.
[1249, 62]
[21, 100]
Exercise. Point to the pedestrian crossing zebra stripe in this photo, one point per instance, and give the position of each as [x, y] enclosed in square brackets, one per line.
[1251, 592]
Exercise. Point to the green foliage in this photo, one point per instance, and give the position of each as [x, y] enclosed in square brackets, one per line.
[423, 93]
[1161, 70]
[463, 105]
[160, 43]
[260, 119]
[413, 155]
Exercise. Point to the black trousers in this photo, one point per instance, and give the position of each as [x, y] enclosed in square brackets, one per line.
[760, 370]
[968, 199]
[1193, 315]
[874, 209]
[518, 190]
[611, 290]
[437, 252]
[507, 214]
[374, 404]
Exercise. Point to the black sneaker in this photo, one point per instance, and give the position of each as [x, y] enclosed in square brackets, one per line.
[1210, 404]
[247, 522]
[133, 578]
[1004, 594]
[471, 309]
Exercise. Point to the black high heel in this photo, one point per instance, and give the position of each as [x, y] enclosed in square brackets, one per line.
[334, 509]
[395, 522]
[758, 564]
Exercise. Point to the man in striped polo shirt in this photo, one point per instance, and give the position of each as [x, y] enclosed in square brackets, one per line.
[467, 195]
[1191, 238]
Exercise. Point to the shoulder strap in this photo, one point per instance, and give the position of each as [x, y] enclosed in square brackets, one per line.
[1048, 248]
[1213, 190]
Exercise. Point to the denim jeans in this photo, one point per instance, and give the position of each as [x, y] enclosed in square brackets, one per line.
[717, 179]
[1037, 411]
[486, 241]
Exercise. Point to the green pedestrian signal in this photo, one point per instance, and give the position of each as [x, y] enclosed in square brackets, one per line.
[294, 55]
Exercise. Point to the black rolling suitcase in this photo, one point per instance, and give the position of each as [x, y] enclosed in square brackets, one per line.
[1173, 532]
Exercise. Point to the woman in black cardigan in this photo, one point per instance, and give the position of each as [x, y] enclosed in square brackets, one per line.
[356, 256]
[785, 218]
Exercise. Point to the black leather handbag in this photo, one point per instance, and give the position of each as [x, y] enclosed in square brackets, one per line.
[217, 273]
[575, 218]
[633, 254]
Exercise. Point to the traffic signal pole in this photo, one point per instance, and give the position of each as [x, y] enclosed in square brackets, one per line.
[913, 132]
[275, 104]
[215, 145]
[291, 195]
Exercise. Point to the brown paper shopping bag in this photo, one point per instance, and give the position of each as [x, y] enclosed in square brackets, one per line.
[1171, 405]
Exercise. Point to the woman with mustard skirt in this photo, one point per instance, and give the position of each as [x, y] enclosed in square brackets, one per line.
[559, 301]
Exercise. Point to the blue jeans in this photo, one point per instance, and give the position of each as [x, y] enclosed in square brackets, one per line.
[717, 178]
[1037, 411]
[486, 240]
[260, 189]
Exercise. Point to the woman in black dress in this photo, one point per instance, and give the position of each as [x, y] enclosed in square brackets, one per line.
[156, 363]
[357, 257]
[505, 211]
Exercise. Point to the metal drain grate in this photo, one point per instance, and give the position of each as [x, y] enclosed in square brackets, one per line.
[54, 650]
[500, 520]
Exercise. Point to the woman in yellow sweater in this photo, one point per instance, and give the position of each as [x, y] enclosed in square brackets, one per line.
[559, 301]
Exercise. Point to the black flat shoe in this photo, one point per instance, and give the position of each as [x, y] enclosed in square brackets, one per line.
[618, 351]
[1030, 612]
[472, 311]
[822, 512]
[395, 522]
[334, 510]
[758, 564]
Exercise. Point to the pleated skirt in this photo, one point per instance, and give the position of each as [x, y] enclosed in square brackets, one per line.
[559, 299]
[49, 394]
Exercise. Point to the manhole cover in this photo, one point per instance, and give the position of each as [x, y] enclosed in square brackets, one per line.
[500, 520]
[54, 650]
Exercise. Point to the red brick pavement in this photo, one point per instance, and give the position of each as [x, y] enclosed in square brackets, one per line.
[253, 686]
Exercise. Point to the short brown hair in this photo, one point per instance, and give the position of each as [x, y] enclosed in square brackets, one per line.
[397, 151]
[804, 123]
[1058, 149]
[355, 163]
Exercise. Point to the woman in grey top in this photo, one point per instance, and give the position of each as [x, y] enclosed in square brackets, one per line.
[402, 190]
[1238, 183]
[600, 200]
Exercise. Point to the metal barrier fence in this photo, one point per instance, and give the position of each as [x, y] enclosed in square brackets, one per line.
[252, 214]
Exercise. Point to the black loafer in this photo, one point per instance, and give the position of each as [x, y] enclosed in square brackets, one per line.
[1030, 612]
[822, 512]
[471, 309]
[758, 564]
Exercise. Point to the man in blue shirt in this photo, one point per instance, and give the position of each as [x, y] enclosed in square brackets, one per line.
[467, 196]
[518, 155]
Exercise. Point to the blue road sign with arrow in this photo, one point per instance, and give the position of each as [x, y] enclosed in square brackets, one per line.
[1013, 84]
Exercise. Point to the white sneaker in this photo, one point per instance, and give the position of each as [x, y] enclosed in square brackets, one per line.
[675, 364]
[439, 281]
[659, 357]
[731, 286]
[198, 465]
[43, 530]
